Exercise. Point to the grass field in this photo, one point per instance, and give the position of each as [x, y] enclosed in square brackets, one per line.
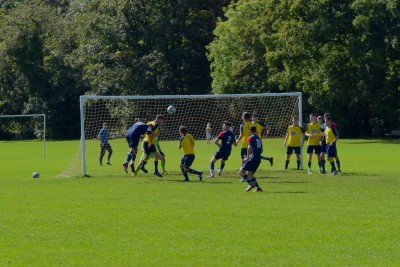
[113, 219]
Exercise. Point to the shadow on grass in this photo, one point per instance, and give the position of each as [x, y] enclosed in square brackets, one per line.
[287, 192]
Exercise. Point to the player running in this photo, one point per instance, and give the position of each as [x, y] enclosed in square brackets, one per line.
[252, 160]
[149, 146]
[260, 127]
[186, 142]
[224, 141]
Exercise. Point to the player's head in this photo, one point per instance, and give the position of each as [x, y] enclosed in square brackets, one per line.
[328, 121]
[327, 114]
[182, 130]
[104, 125]
[255, 117]
[208, 124]
[246, 116]
[295, 120]
[319, 119]
[253, 129]
[159, 119]
[226, 126]
[313, 117]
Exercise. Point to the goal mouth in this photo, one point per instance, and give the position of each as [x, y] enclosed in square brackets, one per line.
[192, 111]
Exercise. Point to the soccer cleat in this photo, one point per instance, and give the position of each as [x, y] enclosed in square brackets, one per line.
[251, 186]
[200, 176]
[271, 161]
[242, 180]
[133, 174]
[164, 172]
[323, 171]
[101, 164]
[186, 180]
[333, 173]
[143, 169]
[125, 166]
[158, 174]
[210, 176]
[219, 171]
[309, 171]
[258, 189]
[108, 163]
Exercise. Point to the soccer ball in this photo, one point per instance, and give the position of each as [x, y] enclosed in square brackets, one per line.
[171, 110]
[35, 175]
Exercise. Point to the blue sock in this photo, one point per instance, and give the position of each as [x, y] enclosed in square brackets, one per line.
[222, 166]
[212, 166]
[246, 178]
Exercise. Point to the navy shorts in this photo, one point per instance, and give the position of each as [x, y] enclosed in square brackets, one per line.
[316, 149]
[251, 165]
[331, 150]
[243, 153]
[224, 155]
[289, 150]
[187, 160]
[148, 150]
[133, 141]
[323, 148]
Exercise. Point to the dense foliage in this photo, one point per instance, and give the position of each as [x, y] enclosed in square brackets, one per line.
[344, 55]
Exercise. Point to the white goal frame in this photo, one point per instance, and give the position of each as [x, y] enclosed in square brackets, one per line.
[84, 98]
[33, 115]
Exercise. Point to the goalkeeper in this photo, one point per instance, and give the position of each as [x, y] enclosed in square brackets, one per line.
[161, 156]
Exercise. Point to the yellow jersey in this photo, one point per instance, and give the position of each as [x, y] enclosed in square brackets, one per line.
[260, 127]
[245, 129]
[313, 128]
[154, 131]
[186, 142]
[330, 134]
[294, 135]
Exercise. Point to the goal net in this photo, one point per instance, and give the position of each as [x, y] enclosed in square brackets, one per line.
[192, 111]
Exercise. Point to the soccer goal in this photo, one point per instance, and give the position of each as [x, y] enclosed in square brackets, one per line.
[25, 126]
[192, 111]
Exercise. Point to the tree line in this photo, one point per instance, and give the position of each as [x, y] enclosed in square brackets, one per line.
[343, 55]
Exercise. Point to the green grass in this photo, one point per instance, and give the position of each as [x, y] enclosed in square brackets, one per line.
[112, 219]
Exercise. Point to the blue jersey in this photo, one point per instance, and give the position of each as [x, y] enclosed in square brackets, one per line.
[256, 147]
[137, 130]
[103, 136]
[227, 139]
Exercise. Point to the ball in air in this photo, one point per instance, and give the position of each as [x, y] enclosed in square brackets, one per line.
[171, 110]
[35, 175]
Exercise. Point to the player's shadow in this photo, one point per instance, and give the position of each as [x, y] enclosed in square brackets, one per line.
[288, 192]
[288, 182]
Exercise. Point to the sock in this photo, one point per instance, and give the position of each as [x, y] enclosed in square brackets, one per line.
[222, 166]
[298, 164]
[254, 181]
[185, 175]
[265, 158]
[212, 166]
[246, 178]
[323, 164]
[309, 165]
[131, 156]
[286, 164]
[338, 165]
[156, 166]
[137, 168]
[333, 166]
[163, 164]
[193, 171]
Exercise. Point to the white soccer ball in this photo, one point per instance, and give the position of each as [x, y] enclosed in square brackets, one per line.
[171, 110]
[35, 175]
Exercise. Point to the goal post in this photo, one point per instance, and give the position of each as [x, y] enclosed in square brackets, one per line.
[193, 111]
[34, 116]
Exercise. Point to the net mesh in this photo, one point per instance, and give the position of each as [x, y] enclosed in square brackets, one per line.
[194, 112]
